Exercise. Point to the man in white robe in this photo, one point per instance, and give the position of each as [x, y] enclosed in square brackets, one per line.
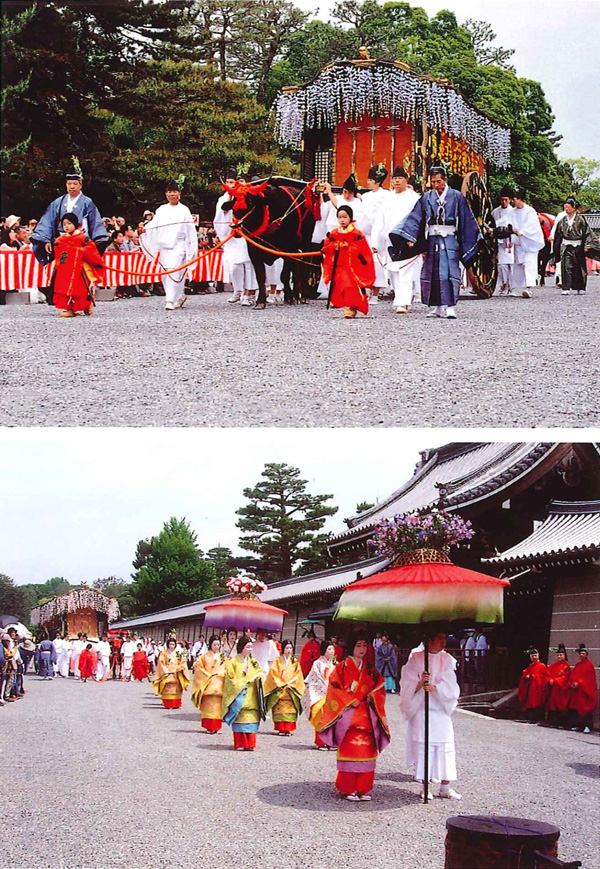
[403, 274]
[264, 651]
[77, 648]
[58, 643]
[237, 267]
[128, 650]
[103, 666]
[373, 201]
[171, 235]
[503, 215]
[528, 240]
[441, 685]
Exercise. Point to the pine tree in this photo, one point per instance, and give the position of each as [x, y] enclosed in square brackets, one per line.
[174, 571]
[280, 521]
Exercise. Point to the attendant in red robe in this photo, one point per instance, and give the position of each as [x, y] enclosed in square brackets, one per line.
[354, 720]
[559, 683]
[584, 692]
[140, 666]
[87, 663]
[533, 687]
[348, 265]
[311, 651]
[338, 649]
[78, 268]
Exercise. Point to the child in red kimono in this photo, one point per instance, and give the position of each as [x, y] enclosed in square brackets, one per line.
[140, 666]
[584, 692]
[348, 266]
[533, 686]
[559, 683]
[78, 268]
[87, 663]
[354, 721]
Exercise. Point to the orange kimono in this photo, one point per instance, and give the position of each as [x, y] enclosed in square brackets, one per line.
[207, 689]
[140, 666]
[359, 732]
[284, 687]
[78, 267]
[348, 266]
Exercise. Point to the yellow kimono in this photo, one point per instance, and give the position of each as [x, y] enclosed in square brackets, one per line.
[171, 678]
[284, 687]
[207, 689]
[243, 700]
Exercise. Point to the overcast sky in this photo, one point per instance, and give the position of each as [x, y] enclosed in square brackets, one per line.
[555, 42]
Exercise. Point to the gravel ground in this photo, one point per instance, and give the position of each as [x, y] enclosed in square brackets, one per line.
[98, 776]
[504, 363]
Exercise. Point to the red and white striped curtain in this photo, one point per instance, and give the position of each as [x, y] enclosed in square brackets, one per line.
[19, 269]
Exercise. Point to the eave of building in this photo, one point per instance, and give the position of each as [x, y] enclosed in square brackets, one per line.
[288, 590]
[569, 535]
[464, 480]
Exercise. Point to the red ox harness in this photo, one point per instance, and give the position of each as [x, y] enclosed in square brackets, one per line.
[242, 190]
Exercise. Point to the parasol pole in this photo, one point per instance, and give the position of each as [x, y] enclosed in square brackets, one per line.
[426, 727]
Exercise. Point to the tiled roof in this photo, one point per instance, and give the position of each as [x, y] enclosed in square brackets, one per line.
[455, 476]
[289, 589]
[572, 530]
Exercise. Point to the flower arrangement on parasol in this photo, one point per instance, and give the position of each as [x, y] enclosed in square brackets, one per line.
[422, 585]
[244, 609]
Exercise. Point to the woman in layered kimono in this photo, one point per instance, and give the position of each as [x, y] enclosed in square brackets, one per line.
[559, 682]
[243, 700]
[171, 678]
[207, 689]
[284, 687]
[573, 241]
[78, 268]
[348, 265]
[313, 699]
[140, 665]
[354, 721]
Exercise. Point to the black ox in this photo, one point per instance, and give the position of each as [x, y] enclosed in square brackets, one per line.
[275, 213]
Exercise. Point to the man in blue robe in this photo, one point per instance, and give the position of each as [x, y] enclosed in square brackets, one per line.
[442, 226]
[49, 227]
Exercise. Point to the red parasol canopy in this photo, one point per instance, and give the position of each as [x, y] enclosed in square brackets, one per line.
[240, 613]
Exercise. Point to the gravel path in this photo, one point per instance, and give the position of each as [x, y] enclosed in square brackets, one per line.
[99, 776]
[503, 363]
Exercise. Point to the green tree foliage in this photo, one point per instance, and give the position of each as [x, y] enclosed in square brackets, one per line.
[169, 117]
[280, 522]
[586, 181]
[14, 601]
[113, 586]
[225, 566]
[174, 571]
[363, 506]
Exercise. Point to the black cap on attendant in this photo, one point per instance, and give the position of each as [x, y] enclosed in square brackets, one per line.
[582, 648]
[73, 175]
[351, 184]
[531, 651]
[400, 172]
[378, 173]
[172, 185]
[570, 200]
[436, 169]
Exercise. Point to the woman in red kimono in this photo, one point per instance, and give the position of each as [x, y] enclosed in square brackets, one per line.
[78, 268]
[584, 692]
[348, 266]
[354, 721]
[559, 682]
[140, 666]
[533, 686]
[87, 663]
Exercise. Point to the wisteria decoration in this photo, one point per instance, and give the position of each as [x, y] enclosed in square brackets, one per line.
[345, 91]
[78, 599]
[407, 532]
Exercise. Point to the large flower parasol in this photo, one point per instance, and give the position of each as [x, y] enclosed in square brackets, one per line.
[423, 585]
[244, 609]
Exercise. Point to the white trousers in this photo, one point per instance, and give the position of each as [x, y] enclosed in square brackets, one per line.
[63, 664]
[505, 275]
[442, 761]
[525, 274]
[242, 277]
[103, 668]
[403, 282]
[381, 278]
[174, 283]
[127, 667]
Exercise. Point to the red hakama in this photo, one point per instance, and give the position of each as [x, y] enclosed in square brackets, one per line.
[246, 741]
[78, 267]
[532, 686]
[354, 268]
[213, 725]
